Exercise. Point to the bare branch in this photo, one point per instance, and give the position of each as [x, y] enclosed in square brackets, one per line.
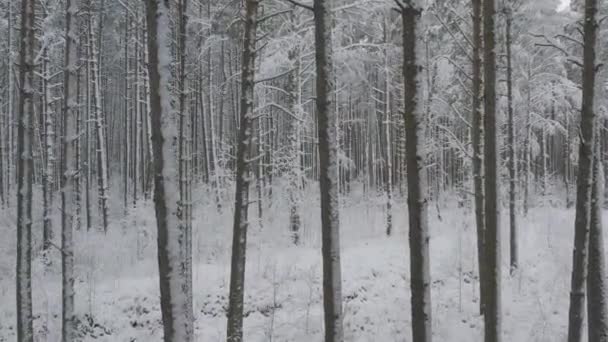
[299, 4]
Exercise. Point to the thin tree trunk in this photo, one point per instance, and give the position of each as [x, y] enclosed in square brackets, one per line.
[49, 138]
[527, 144]
[102, 162]
[69, 169]
[294, 176]
[388, 125]
[511, 147]
[477, 134]
[183, 156]
[241, 204]
[25, 331]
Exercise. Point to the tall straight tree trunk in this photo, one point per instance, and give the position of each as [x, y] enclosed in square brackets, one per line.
[597, 306]
[87, 135]
[294, 176]
[69, 168]
[184, 171]
[25, 331]
[328, 174]
[527, 144]
[177, 324]
[477, 134]
[241, 203]
[584, 178]
[102, 160]
[5, 125]
[49, 138]
[213, 145]
[417, 202]
[126, 140]
[492, 308]
[136, 118]
[511, 146]
[10, 115]
[388, 125]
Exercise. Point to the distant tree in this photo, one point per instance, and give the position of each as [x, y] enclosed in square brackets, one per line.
[511, 159]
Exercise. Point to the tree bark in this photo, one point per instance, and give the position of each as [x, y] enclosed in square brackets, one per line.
[69, 169]
[243, 178]
[25, 331]
[49, 138]
[513, 247]
[584, 179]
[596, 269]
[417, 202]
[177, 324]
[477, 134]
[183, 155]
[492, 308]
[102, 160]
[328, 174]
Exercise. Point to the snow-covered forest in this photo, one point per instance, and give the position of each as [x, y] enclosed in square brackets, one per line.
[303, 170]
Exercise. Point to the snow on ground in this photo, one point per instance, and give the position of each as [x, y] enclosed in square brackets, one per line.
[117, 286]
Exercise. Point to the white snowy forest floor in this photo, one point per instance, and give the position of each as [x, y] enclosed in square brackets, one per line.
[117, 294]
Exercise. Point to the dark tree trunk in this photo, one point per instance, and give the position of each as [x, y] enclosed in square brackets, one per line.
[596, 270]
[25, 331]
[417, 202]
[174, 295]
[69, 168]
[241, 205]
[584, 179]
[511, 147]
[328, 174]
[477, 133]
[492, 308]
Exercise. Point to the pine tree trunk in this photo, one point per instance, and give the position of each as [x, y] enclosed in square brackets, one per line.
[126, 140]
[417, 202]
[295, 101]
[49, 138]
[328, 174]
[87, 135]
[183, 169]
[69, 169]
[10, 115]
[102, 162]
[243, 177]
[477, 133]
[388, 125]
[527, 143]
[584, 179]
[492, 308]
[597, 302]
[513, 248]
[177, 324]
[25, 331]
